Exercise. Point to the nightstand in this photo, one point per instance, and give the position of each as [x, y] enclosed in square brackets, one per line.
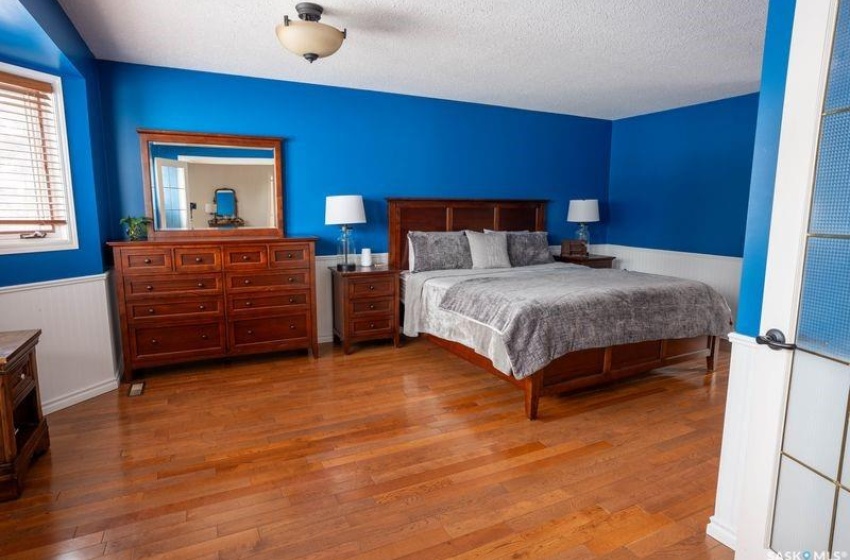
[365, 305]
[592, 261]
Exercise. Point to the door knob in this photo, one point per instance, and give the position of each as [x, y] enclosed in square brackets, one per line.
[775, 340]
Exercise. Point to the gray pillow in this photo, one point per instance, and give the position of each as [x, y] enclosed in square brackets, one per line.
[526, 249]
[438, 250]
[489, 250]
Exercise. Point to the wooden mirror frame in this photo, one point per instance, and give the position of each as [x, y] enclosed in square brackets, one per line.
[200, 138]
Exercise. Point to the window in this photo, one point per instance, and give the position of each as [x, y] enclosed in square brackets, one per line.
[36, 206]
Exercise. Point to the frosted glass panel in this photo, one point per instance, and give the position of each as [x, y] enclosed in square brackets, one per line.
[825, 300]
[803, 516]
[831, 198]
[817, 407]
[841, 540]
[845, 473]
[838, 88]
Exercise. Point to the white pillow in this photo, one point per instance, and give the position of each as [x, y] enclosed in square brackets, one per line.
[489, 250]
[410, 258]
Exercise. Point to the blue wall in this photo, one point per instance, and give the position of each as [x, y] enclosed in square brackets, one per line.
[37, 34]
[777, 44]
[342, 141]
[680, 178]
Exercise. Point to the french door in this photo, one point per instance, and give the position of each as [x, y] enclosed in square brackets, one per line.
[796, 502]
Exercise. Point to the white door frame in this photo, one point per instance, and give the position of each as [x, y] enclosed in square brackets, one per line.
[767, 387]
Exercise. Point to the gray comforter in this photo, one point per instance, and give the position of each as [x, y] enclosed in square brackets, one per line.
[571, 308]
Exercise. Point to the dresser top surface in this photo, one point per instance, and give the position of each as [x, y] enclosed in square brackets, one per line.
[212, 241]
[12, 342]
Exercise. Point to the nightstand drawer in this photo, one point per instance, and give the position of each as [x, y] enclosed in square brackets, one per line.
[271, 329]
[156, 310]
[372, 306]
[197, 259]
[372, 326]
[267, 301]
[246, 257]
[21, 381]
[372, 287]
[146, 260]
[289, 256]
[159, 340]
[171, 285]
[268, 281]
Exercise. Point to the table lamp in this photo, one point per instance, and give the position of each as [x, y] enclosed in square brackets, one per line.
[583, 212]
[345, 210]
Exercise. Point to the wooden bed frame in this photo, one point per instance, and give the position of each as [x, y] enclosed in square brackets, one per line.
[573, 371]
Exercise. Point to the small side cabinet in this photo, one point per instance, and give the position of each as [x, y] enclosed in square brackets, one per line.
[366, 305]
[23, 429]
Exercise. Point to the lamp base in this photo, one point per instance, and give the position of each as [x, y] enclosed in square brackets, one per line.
[346, 267]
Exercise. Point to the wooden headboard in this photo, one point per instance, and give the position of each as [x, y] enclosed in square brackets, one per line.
[456, 214]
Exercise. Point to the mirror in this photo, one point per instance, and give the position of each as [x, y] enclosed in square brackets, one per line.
[212, 184]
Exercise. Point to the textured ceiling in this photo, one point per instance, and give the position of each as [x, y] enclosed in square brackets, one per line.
[598, 58]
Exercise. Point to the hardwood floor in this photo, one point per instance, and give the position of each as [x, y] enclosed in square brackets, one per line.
[384, 454]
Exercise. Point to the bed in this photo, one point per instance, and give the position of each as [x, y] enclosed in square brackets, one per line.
[477, 343]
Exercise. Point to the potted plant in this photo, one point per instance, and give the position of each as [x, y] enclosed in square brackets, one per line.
[137, 227]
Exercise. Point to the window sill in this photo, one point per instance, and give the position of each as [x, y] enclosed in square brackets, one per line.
[23, 246]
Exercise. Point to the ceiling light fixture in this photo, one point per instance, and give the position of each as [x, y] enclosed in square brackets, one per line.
[308, 37]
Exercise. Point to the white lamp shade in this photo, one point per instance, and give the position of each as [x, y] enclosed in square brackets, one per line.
[304, 37]
[344, 210]
[583, 211]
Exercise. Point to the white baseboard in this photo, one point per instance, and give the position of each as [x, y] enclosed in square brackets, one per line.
[721, 533]
[76, 353]
[78, 396]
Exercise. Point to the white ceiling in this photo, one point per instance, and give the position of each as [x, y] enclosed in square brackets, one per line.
[598, 58]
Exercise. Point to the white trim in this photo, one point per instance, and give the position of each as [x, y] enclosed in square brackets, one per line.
[743, 340]
[80, 395]
[21, 246]
[717, 530]
[54, 283]
[675, 254]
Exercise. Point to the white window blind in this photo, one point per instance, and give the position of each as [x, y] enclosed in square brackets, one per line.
[33, 179]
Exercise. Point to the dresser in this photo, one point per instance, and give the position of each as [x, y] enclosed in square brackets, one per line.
[365, 303]
[23, 429]
[186, 300]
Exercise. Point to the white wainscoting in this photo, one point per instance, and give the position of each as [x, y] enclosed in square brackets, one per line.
[721, 273]
[76, 353]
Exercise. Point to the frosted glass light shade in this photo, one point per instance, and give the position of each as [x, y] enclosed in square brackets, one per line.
[583, 211]
[309, 37]
[344, 210]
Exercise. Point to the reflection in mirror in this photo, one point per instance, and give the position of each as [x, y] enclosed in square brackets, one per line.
[188, 179]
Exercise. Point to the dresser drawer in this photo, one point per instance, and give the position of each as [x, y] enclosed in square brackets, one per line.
[145, 260]
[373, 325]
[246, 257]
[289, 256]
[371, 306]
[198, 284]
[197, 259]
[271, 329]
[153, 341]
[267, 301]
[200, 308]
[371, 287]
[267, 281]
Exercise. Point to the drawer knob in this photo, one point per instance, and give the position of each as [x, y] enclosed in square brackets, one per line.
[151, 310]
[289, 255]
[371, 325]
[149, 287]
[244, 257]
[154, 341]
[371, 287]
[200, 284]
[371, 306]
[291, 326]
[292, 300]
[198, 259]
[147, 261]
[248, 304]
[204, 337]
[202, 307]
[250, 331]
[246, 282]
[291, 279]
[23, 376]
